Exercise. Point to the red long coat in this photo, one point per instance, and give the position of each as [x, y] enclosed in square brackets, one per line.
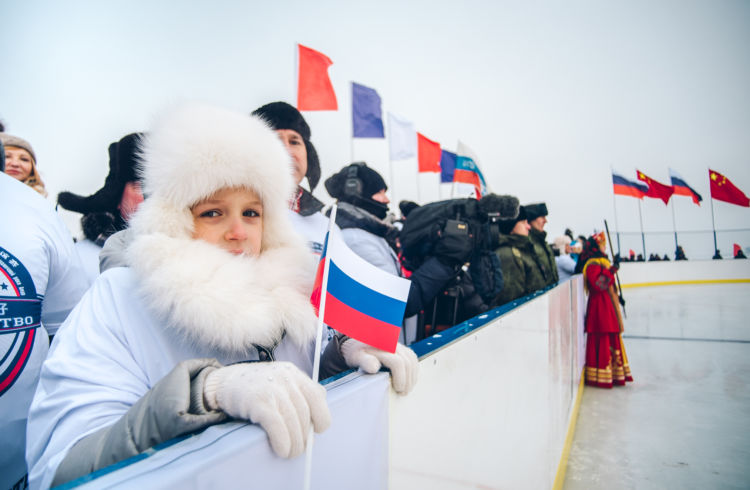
[603, 309]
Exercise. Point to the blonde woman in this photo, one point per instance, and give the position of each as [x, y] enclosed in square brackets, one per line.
[20, 162]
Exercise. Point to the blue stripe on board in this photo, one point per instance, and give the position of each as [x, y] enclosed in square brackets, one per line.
[364, 299]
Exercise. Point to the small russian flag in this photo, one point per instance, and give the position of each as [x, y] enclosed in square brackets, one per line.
[356, 298]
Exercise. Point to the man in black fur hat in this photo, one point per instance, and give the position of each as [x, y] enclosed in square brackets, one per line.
[295, 134]
[522, 273]
[107, 210]
[536, 215]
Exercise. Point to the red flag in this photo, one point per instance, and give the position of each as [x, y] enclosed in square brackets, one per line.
[722, 189]
[736, 248]
[428, 154]
[656, 189]
[314, 89]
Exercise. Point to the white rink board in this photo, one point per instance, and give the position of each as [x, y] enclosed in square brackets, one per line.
[491, 408]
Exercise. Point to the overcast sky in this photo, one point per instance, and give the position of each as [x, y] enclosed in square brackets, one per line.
[549, 95]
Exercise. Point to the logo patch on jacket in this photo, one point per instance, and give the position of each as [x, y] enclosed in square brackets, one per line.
[20, 317]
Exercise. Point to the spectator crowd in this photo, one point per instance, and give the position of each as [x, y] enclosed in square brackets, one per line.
[192, 284]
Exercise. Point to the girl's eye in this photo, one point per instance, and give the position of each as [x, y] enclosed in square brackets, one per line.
[211, 213]
[251, 213]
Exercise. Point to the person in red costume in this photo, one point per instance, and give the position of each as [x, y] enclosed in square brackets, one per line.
[606, 361]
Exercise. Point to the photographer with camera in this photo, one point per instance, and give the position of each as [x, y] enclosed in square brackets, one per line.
[362, 209]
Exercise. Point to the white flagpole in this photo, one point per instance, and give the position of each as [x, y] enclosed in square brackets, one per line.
[318, 342]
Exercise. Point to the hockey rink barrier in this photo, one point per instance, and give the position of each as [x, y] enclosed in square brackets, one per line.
[494, 406]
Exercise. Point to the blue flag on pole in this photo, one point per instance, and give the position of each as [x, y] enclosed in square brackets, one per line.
[447, 166]
[367, 118]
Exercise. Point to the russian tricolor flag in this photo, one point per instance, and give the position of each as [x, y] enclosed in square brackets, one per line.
[358, 299]
[682, 189]
[467, 172]
[625, 187]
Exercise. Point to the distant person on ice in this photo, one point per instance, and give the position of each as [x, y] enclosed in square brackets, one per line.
[217, 279]
[606, 361]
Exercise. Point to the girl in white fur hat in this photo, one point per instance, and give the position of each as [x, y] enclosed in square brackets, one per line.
[216, 277]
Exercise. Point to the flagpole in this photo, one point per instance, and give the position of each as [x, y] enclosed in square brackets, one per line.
[617, 227]
[318, 342]
[713, 225]
[674, 226]
[643, 237]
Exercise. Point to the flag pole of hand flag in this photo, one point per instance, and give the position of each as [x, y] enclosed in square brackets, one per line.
[681, 188]
[402, 138]
[722, 189]
[356, 298]
[367, 118]
[467, 170]
[314, 88]
[428, 154]
[625, 187]
[447, 166]
[657, 190]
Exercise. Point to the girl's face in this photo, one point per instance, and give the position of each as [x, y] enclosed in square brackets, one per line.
[17, 163]
[231, 219]
[295, 145]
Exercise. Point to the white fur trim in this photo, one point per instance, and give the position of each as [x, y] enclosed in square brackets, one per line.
[222, 301]
[204, 293]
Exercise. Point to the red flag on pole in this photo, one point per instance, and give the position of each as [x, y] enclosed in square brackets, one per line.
[314, 89]
[656, 189]
[428, 154]
[722, 189]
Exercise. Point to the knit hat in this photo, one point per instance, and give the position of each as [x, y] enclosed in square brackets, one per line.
[196, 150]
[122, 169]
[10, 140]
[281, 115]
[356, 184]
[535, 210]
[560, 242]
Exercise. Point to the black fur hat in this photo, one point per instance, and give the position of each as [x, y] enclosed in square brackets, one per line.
[407, 207]
[122, 169]
[281, 115]
[535, 210]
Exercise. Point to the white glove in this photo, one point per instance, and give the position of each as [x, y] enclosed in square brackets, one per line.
[276, 395]
[403, 364]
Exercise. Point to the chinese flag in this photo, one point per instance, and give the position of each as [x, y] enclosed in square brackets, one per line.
[428, 154]
[656, 189]
[722, 189]
[314, 89]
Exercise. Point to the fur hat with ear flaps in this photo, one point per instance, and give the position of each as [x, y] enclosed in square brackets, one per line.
[211, 297]
[122, 163]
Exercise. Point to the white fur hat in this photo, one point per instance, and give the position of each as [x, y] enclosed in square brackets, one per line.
[195, 150]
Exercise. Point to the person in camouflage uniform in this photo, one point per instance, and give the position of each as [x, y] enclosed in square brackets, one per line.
[522, 273]
[536, 214]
